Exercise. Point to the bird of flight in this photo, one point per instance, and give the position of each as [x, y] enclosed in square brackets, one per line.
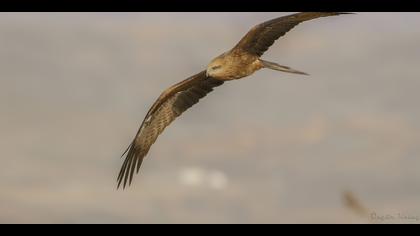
[241, 61]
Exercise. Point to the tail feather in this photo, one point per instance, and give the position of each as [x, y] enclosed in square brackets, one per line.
[275, 66]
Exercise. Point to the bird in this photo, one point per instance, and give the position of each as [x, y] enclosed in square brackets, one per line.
[241, 61]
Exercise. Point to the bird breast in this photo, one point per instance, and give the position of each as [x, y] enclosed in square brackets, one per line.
[237, 66]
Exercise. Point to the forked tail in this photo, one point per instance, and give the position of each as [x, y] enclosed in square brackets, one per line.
[275, 66]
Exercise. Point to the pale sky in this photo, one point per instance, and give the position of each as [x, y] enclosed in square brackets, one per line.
[272, 148]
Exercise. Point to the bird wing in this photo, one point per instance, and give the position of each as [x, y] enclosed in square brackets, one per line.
[262, 36]
[171, 104]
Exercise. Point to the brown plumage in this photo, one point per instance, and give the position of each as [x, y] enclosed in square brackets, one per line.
[243, 60]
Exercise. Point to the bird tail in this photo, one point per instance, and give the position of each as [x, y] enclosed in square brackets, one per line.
[275, 66]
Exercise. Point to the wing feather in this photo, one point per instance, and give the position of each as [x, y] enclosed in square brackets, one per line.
[171, 104]
[261, 37]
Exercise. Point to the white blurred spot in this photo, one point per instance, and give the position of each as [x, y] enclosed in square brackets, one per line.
[199, 177]
[217, 180]
[192, 176]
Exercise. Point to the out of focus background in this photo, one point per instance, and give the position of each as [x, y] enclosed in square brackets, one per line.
[272, 148]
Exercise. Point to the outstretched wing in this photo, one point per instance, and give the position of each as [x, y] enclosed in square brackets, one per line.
[262, 36]
[172, 103]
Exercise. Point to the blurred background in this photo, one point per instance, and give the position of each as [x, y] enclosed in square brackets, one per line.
[272, 148]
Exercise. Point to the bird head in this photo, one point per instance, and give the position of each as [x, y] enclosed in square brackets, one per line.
[215, 68]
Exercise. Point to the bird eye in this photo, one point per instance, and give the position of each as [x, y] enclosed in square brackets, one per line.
[216, 67]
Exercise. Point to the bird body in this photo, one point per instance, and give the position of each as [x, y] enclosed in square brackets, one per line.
[241, 61]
